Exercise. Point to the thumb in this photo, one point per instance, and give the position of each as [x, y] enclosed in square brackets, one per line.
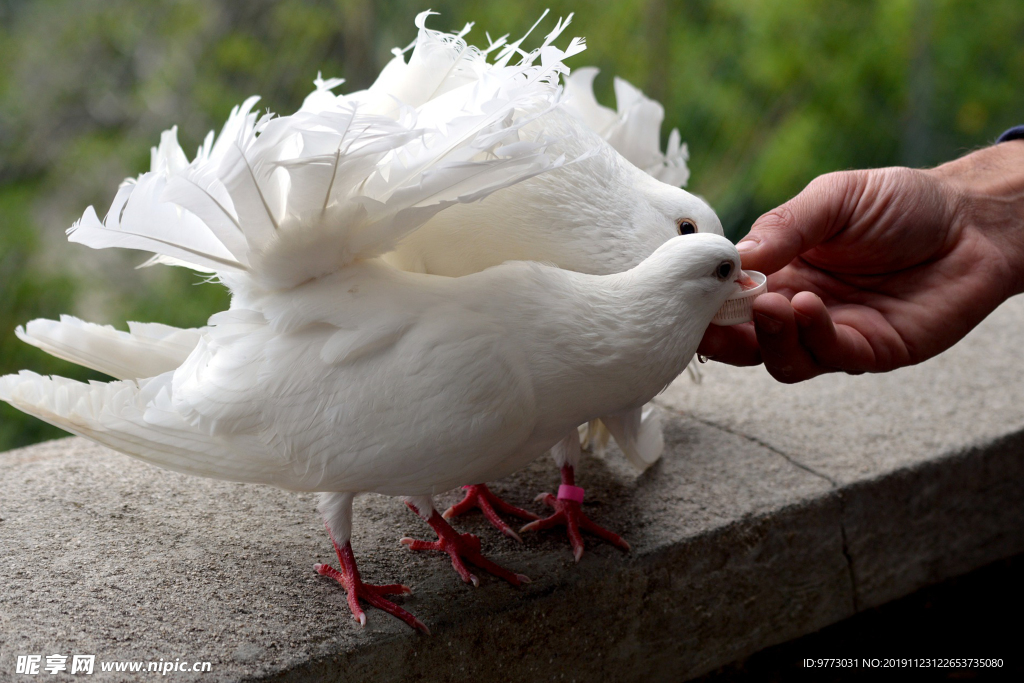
[820, 211]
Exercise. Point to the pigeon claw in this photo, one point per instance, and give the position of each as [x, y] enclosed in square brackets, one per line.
[568, 513]
[371, 594]
[462, 548]
[481, 497]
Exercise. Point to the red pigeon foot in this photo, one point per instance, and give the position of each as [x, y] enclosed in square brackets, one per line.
[568, 513]
[348, 577]
[462, 548]
[479, 496]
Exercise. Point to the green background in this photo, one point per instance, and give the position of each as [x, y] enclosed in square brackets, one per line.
[768, 95]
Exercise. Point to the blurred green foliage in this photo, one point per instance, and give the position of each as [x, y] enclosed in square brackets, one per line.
[768, 95]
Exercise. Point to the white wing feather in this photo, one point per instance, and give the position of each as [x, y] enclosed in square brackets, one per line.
[115, 415]
[637, 432]
[146, 350]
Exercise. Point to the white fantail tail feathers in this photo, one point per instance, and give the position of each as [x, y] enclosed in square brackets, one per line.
[275, 202]
[206, 237]
[146, 350]
[441, 62]
[634, 129]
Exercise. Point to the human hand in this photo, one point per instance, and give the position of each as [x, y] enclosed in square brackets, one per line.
[869, 271]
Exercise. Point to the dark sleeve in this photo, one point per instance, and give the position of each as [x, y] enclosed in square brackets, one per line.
[1015, 133]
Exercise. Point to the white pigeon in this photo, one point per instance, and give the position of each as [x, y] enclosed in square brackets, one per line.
[335, 372]
[600, 215]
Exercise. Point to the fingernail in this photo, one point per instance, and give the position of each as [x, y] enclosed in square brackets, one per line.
[747, 244]
[769, 325]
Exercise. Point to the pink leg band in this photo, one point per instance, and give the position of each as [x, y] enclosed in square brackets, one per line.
[567, 492]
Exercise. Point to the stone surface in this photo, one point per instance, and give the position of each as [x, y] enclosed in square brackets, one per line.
[103, 555]
[776, 510]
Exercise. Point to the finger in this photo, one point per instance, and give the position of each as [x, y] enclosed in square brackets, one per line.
[735, 345]
[815, 328]
[805, 221]
[784, 356]
[834, 347]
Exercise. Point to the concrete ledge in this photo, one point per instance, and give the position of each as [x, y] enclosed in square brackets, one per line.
[775, 511]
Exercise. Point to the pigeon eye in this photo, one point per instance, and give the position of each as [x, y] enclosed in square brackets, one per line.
[724, 270]
[686, 226]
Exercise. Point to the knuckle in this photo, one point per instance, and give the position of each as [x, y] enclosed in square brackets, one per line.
[779, 219]
[820, 200]
[897, 180]
[834, 184]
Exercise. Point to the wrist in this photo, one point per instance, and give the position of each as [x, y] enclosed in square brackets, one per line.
[985, 191]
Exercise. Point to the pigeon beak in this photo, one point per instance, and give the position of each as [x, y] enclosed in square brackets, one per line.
[738, 308]
[745, 281]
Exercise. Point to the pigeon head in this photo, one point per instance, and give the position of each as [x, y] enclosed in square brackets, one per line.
[707, 266]
[597, 214]
[658, 212]
[680, 210]
[611, 215]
